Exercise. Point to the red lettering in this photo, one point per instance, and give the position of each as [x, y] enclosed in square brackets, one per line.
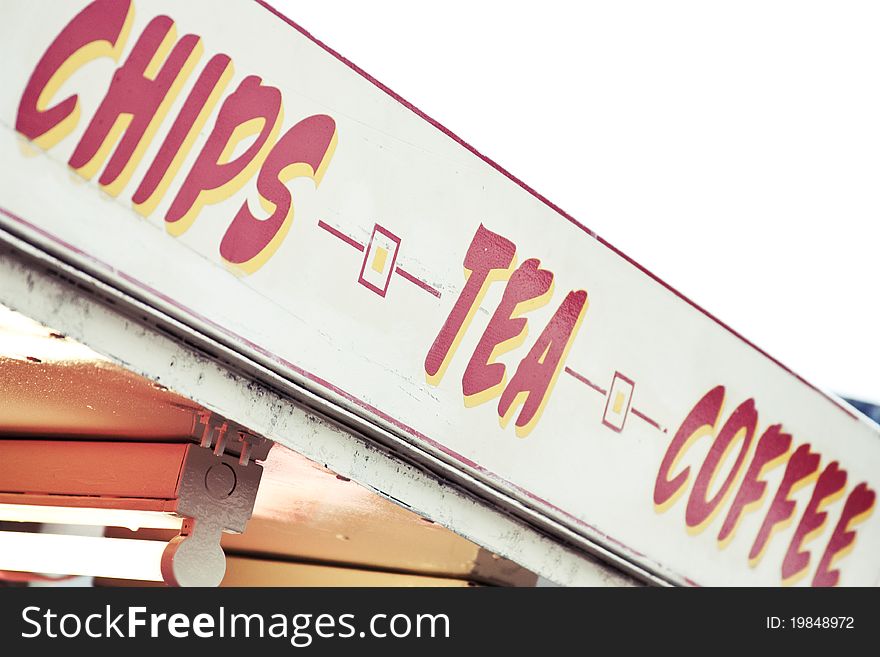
[198, 105]
[488, 258]
[857, 507]
[528, 288]
[698, 423]
[304, 150]
[251, 109]
[801, 467]
[742, 422]
[771, 449]
[536, 374]
[830, 483]
[134, 105]
[98, 30]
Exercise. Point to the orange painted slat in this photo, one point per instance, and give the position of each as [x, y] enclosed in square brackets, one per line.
[54, 467]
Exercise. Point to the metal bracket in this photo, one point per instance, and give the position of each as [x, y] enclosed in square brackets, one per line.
[214, 431]
[216, 493]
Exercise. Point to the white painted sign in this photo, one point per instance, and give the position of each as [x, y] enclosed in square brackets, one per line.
[225, 166]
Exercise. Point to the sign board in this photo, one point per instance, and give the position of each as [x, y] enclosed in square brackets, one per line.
[226, 165]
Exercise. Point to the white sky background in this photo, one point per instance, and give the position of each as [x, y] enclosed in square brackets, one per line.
[732, 148]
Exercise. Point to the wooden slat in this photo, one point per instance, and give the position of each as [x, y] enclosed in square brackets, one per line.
[167, 505]
[49, 467]
[245, 571]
